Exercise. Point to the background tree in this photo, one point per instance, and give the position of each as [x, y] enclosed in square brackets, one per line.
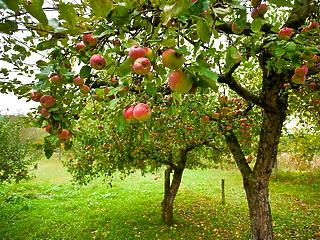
[14, 160]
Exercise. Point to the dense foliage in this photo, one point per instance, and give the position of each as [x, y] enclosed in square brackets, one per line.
[14, 159]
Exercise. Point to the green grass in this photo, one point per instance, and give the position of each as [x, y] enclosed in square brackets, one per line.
[51, 207]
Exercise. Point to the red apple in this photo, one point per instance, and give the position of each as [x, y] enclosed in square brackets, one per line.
[64, 134]
[179, 81]
[142, 112]
[255, 3]
[85, 89]
[313, 24]
[301, 71]
[136, 52]
[141, 66]
[89, 40]
[128, 114]
[80, 46]
[313, 86]
[47, 101]
[172, 59]
[56, 79]
[235, 29]
[298, 79]
[44, 112]
[216, 115]
[255, 13]
[285, 33]
[223, 99]
[35, 96]
[262, 9]
[97, 62]
[48, 128]
[205, 119]
[78, 81]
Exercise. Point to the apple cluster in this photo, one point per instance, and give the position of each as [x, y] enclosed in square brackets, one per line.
[140, 112]
[259, 9]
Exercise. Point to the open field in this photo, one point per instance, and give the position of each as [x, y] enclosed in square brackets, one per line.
[51, 207]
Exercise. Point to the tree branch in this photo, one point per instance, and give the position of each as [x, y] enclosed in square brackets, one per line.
[299, 14]
[237, 153]
[235, 86]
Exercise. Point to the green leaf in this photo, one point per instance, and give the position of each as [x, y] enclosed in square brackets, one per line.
[85, 71]
[101, 8]
[68, 13]
[282, 3]
[203, 30]
[209, 77]
[256, 25]
[54, 23]
[46, 44]
[12, 4]
[35, 9]
[8, 27]
[175, 10]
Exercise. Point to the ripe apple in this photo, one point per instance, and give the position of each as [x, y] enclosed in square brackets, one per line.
[85, 89]
[35, 96]
[136, 52]
[78, 81]
[56, 79]
[223, 99]
[64, 134]
[235, 28]
[298, 79]
[142, 112]
[179, 81]
[47, 101]
[313, 24]
[262, 9]
[301, 71]
[313, 86]
[255, 3]
[48, 128]
[172, 59]
[44, 112]
[89, 40]
[128, 114]
[205, 119]
[97, 62]
[285, 33]
[255, 13]
[80, 46]
[216, 115]
[141, 66]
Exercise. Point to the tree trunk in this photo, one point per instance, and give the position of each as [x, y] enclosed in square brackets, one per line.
[171, 189]
[257, 192]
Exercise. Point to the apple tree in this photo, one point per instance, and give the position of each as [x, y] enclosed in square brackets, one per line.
[14, 150]
[266, 53]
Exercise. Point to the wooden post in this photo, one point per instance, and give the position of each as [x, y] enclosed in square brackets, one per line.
[223, 192]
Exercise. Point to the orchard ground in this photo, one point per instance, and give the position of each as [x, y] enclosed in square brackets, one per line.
[51, 207]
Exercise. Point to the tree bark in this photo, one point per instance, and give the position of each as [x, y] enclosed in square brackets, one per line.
[171, 189]
[257, 192]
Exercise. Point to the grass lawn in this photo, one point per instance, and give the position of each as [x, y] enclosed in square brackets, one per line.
[51, 207]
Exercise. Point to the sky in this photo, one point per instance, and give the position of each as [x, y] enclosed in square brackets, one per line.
[10, 104]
